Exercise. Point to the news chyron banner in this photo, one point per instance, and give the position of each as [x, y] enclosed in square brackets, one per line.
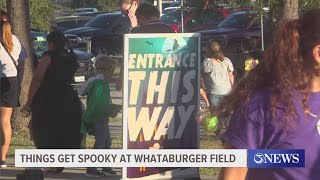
[161, 96]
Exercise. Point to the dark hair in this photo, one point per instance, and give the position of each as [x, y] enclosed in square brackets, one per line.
[214, 50]
[6, 33]
[59, 41]
[290, 54]
[147, 10]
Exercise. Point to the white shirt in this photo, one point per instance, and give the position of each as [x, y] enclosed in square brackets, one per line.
[7, 68]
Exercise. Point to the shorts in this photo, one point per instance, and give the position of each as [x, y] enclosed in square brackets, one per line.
[9, 92]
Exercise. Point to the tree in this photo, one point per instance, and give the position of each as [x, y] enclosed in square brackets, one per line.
[102, 5]
[20, 20]
[42, 14]
[289, 9]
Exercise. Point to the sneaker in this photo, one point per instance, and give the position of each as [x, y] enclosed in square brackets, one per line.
[3, 164]
[108, 171]
[95, 174]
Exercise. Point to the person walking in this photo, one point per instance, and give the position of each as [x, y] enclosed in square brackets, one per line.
[11, 51]
[277, 105]
[95, 119]
[217, 74]
[56, 108]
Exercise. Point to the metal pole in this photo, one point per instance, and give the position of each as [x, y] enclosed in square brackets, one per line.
[160, 6]
[262, 33]
[182, 18]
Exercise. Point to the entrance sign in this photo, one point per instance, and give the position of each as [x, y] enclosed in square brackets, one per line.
[161, 96]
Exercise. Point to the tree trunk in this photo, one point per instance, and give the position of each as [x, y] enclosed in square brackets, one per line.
[20, 20]
[289, 9]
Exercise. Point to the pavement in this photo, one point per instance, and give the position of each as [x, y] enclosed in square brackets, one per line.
[10, 173]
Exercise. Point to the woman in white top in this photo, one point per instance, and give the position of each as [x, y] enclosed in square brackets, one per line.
[10, 46]
[217, 74]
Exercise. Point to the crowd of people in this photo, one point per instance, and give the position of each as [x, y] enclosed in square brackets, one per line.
[262, 101]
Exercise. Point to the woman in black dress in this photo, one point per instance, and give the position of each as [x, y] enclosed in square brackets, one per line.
[56, 108]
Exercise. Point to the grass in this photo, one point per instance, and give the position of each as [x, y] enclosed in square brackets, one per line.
[115, 120]
[23, 141]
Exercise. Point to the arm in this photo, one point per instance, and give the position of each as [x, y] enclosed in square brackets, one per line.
[38, 78]
[232, 173]
[231, 77]
[204, 97]
[230, 70]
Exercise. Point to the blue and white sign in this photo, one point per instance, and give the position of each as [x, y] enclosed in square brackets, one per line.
[276, 158]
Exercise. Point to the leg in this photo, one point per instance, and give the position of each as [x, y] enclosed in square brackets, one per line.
[100, 139]
[6, 131]
[101, 131]
[214, 102]
[108, 142]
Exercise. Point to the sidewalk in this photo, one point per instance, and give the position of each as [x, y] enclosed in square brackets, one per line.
[68, 174]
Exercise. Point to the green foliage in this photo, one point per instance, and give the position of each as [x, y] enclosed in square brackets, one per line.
[42, 14]
[3, 4]
[309, 4]
[102, 5]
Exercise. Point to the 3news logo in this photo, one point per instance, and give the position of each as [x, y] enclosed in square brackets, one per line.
[275, 158]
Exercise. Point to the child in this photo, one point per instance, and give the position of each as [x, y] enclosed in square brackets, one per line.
[95, 118]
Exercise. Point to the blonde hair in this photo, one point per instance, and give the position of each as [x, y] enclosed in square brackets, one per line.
[106, 64]
[6, 31]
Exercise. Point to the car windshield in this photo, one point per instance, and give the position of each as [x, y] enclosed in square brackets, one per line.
[238, 20]
[172, 17]
[71, 23]
[102, 21]
[40, 44]
[84, 10]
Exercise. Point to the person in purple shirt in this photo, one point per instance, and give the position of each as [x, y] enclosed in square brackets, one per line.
[277, 105]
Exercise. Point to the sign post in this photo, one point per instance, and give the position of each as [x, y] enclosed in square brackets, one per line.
[161, 98]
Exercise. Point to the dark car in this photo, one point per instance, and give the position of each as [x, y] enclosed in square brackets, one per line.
[194, 20]
[70, 22]
[85, 60]
[82, 10]
[237, 27]
[105, 32]
[90, 14]
[166, 4]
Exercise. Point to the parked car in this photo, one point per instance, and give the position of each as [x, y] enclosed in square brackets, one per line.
[85, 60]
[105, 32]
[82, 10]
[70, 22]
[231, 32]
[194, 20]
[166, 4]
[90, 14]
[169, 9]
